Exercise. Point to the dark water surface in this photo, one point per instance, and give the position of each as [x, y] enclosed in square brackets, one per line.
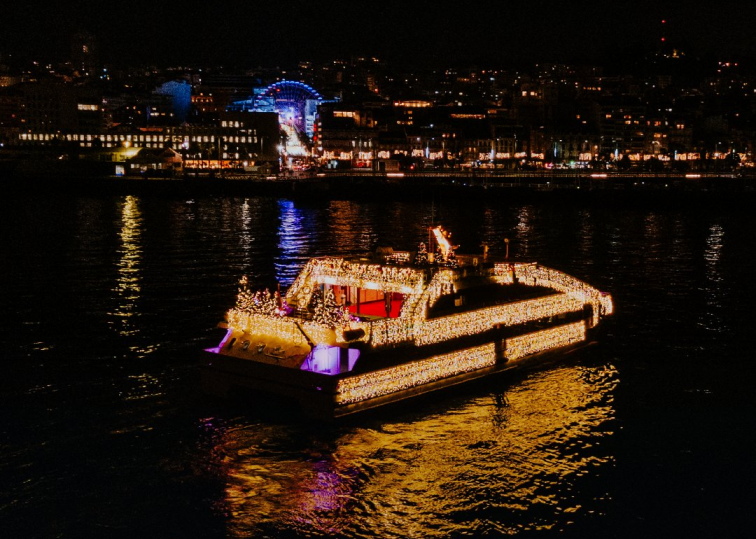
[107, 300]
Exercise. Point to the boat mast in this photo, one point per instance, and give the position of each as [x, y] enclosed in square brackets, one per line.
[430, 228]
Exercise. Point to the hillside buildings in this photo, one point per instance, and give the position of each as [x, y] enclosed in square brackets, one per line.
[366, 116]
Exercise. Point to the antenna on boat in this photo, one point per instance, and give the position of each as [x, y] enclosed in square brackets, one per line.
[430, 227]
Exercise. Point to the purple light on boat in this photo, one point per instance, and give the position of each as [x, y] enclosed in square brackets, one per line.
[326, 359]
[217, 349]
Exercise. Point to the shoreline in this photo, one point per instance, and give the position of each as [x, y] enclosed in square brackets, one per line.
[667, 189]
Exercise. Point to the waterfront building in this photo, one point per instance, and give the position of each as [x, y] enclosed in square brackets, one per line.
[370, 118]
[51, 106]
[233, 142]
[215, 93]
[623, 126]
[164, 162]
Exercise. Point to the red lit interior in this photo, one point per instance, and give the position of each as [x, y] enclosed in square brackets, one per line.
[368, 302]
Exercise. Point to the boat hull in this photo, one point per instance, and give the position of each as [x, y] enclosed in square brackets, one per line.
[317, 395]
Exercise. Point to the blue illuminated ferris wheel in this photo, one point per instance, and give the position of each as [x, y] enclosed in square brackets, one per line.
[295, 102]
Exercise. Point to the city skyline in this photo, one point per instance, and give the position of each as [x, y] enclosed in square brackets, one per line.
[484, 32]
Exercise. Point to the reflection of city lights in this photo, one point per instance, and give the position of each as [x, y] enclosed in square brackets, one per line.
[291, 242]
[129, 288]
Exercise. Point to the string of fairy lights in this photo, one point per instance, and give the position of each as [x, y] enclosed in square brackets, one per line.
[338, 271]
[540, 341]
[406, 280]
[535, 275]
[260, 301]
[254, 314]
[442, 284]
[411, 324]
[328, 312]
[284, 329]
[295, 295]
[385, 381]
[474, 322]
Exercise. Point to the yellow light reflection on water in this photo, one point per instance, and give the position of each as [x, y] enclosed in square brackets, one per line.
[713, 317]
[508, 461]
[128, 284]
[713, 251]
[142, 386]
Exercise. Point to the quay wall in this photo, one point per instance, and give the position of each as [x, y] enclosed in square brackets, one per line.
[538, 186]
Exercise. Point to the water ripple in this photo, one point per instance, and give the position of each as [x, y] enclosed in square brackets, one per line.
[109, 299]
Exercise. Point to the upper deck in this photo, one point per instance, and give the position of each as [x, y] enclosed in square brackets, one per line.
[340, 300]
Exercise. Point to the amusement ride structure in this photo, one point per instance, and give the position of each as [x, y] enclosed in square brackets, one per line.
[296, 104]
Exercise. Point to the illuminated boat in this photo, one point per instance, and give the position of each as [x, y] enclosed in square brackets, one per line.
[352, 334]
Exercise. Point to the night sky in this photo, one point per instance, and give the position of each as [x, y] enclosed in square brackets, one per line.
[271, 33]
